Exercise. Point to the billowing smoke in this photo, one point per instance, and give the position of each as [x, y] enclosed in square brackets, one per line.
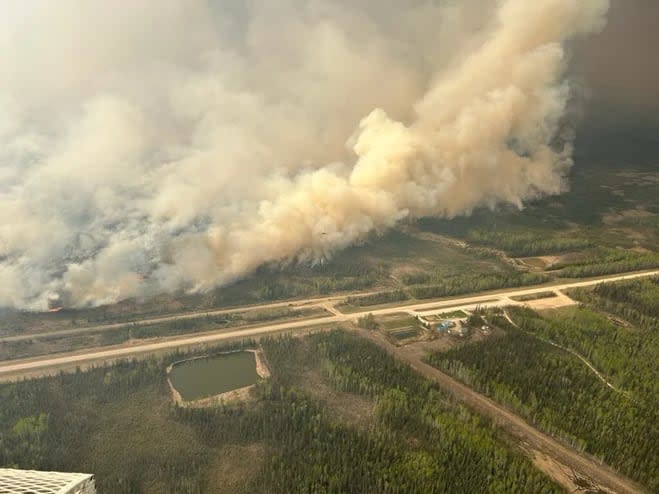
[167, 144]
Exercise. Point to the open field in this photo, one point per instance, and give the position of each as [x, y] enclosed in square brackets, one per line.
[456, 314]
[396, 321]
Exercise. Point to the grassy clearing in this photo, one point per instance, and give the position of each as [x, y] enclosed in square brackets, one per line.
[456, 314]
[396, 321]
[58, 344]
[227, 320]
[537, 263]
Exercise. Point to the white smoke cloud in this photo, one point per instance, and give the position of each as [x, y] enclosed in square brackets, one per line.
[162, 144]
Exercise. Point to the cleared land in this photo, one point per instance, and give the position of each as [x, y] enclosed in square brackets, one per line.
[15, 369]
[337, 415]
[538, 443]
[586, 374]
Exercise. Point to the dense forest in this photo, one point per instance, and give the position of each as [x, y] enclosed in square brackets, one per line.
[636, 301]
[555, 390]
[603, 261]
[525, 243]
[627, 356]
[468, 283]
[119, 423]
[377, 298]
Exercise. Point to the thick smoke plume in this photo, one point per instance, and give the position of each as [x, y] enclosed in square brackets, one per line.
[167, 144]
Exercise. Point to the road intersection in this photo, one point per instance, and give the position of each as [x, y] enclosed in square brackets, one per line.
[15, 369]
[549, 455]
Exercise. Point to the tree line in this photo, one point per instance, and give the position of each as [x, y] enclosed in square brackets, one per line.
[626, 355]
[471, 283]
[556, 391]
[525, 243]
[607, 261]
[417, 441]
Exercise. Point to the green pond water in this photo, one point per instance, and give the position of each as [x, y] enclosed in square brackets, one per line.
[403, 334]
[201, 378]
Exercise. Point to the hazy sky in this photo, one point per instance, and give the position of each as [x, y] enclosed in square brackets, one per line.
[620, 65]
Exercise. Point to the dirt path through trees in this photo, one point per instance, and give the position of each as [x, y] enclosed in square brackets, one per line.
[547, 453]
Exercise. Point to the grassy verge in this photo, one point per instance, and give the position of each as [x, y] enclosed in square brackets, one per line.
[98, 338]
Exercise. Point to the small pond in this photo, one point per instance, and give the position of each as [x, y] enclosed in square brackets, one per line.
[405, 333]
[200, 378]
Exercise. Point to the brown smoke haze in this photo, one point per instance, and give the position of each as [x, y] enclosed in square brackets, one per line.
[620, 64]
[168, 144]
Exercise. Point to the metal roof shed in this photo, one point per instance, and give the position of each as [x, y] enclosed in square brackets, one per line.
[36, 482]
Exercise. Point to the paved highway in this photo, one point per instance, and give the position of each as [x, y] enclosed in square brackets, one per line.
[538, 443]
[17, 368]
[295, 304]
[328, 303]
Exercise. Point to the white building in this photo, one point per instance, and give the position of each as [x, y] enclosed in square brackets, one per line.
[35, 482]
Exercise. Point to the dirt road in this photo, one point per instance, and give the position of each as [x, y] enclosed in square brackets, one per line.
[539, 443]
[15, 369]
[501, 298]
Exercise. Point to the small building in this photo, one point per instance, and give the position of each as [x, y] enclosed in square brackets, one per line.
[462, 331]
[444, 326]
[37, 482]
[427, 322]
